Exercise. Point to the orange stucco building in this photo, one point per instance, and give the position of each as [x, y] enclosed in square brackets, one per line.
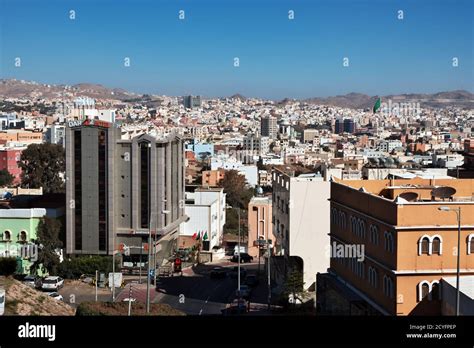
[212, 178]
[409, 244]
[260, 226]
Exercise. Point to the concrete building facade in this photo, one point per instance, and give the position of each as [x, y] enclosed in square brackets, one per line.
[300, 216]
[118, 190]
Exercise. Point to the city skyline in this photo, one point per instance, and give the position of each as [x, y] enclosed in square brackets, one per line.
[278, 57]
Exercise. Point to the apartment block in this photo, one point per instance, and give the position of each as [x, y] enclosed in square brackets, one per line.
[300, 217]
[409, 231]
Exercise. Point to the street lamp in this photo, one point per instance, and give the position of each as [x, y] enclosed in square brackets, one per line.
[238, 252]
[269, 285]
[458, 213]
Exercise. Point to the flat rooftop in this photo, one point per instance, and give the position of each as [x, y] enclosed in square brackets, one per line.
[416, 190]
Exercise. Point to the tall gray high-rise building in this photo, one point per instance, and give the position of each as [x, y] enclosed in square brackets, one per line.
[269, 127]
[117, 190]
[191, 101]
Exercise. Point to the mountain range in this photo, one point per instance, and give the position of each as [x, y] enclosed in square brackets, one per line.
[12, 88]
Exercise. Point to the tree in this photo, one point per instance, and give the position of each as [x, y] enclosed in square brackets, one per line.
[235, 186]
[42, 166]
[47, 239]
[294, 286]
[6, 179]
[7, 265]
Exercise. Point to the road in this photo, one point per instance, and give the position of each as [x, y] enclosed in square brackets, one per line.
[195, 293]
[74, 292]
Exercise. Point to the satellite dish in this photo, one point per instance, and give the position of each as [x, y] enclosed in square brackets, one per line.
[443, 192]
[409, 196]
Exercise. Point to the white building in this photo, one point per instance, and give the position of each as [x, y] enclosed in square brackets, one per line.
[55, 134]
[249, 171]
[206, 211]
[256, 144]
[301, 222]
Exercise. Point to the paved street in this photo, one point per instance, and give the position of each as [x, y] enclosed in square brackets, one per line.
[195, 293]
[74, 292]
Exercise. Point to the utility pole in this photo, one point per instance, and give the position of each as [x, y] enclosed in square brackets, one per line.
[130, 299]
[459, 260]
[113, 267]
[148, 274]
[96, 280]
[140, 266]
[269, 254]
[238, 277]
[458, 271]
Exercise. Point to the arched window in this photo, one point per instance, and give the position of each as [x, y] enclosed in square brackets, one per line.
[7, 235]
[389, 245]
[374, 234]
[343, 220]
[437, 245]
[23, 236]
[424, 245]
[435, 291]
[388, 286]
[470, 244]
[423, 290]
[362, 232]
[373, 276]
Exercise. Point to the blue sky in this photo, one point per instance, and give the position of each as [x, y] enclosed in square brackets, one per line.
[278, 57]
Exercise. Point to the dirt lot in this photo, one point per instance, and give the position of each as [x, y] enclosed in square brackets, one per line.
[121, 308]
[24, 300]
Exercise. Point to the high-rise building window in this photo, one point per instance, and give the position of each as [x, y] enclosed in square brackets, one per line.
[423, 290]
[144, 184]
[102, 189]
[77, 190]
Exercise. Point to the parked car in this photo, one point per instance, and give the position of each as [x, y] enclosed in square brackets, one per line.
[33, 281]
[56, 296]
[87, 278]
[236, 307]
[52, 283]
[244, 257]
[251, 280]
[244, 292]
[235, 271]
[218, 272]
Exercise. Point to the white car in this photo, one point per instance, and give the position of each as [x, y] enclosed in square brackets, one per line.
[56, 296]
[52, 283]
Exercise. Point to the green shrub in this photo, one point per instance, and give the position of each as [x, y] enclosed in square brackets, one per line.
[75, 267]
[8, 266]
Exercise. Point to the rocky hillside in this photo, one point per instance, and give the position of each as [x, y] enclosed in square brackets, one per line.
[30, 89]
[23, 300]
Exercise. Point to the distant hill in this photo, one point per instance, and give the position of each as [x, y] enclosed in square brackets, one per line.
[19, 88]
[238, 96]
[362, 101]
[28, 89]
